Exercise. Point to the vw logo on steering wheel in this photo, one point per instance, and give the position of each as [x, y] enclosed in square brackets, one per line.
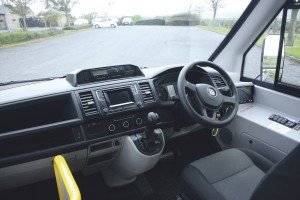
[212, 92]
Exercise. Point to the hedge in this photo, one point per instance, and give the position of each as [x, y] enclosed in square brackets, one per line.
[23, 36]
[77, 27]
[183, 20]
[160, 22]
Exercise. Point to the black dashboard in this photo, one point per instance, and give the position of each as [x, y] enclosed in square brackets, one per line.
[87, 107]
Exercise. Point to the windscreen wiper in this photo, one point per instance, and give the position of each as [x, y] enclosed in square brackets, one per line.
[31, 80]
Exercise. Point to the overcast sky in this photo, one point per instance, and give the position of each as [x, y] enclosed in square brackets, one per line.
[148, 8]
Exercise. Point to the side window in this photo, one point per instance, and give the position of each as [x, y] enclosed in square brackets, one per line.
[291, 70]
[255, 66]
[275, 57]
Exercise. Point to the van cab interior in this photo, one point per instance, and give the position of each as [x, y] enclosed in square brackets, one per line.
[227, 127]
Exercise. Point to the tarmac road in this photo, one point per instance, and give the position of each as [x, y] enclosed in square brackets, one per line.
[147, 46]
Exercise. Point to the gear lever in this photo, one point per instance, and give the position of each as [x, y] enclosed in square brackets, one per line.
[152, 120]
[150, 141]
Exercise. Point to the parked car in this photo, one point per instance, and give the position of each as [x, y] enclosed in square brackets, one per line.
[104, 22]
[81, 21]
[127, 21]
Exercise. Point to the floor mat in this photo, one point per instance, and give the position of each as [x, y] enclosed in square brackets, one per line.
[164, 179]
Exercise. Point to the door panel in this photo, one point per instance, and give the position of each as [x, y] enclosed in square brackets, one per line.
[252, 122]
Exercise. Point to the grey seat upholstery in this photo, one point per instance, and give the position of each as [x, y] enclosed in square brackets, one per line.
[242, 174]
[229, 174]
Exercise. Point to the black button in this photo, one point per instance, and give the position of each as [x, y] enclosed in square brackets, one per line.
[272, 116]
[279, 119]
[276, 117]
[297, 128]
[284, 121]
[117, 143]
[290, 124]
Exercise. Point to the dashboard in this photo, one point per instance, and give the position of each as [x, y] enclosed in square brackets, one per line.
[86, 115]
[166, 84]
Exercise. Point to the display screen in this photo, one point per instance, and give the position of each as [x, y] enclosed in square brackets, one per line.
[99, 72]
[245, 94]
[122, 96]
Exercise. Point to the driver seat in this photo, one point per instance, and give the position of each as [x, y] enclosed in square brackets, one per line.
[242, 174]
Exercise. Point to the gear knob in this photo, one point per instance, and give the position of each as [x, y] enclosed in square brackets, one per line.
[152, 118]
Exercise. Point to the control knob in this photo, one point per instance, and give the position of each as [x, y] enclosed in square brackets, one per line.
[139, 121]
[125, 124]
[111, 127]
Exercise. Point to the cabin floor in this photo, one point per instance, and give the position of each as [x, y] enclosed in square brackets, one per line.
[160, 183]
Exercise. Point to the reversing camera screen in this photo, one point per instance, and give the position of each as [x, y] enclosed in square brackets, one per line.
[245, 94]
[120, 96]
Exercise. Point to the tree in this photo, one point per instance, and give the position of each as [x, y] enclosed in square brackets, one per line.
[198, 10]
[90, 16]
[292, 28]
[20, 7]
[64, 6]
[50, 16]
[136, 18]
[215, 4]
[189, 8]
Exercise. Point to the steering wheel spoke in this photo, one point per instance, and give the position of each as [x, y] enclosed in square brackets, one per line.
[214, 115]
[209, 113]
[203, 111]
[229, 100]
[190, 86]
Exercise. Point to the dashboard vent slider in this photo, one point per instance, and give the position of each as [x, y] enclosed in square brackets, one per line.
[88, 103]
[218, 80]
[146, 92]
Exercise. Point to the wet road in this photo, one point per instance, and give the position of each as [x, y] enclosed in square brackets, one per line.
[148, 46]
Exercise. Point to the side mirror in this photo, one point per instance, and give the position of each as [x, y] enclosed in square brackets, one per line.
[269, 57]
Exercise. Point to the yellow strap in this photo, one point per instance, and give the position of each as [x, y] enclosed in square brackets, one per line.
[214, 132]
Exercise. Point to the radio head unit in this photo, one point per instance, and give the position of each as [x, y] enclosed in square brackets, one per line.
[119, 98]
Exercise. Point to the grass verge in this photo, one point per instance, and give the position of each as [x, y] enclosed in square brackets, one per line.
[290, 51]
[295, 50]
[221, 30]
[18, 38]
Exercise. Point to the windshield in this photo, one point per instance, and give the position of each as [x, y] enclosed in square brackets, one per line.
[56, 37]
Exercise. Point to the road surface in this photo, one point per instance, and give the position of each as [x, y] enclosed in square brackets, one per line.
[148, 46]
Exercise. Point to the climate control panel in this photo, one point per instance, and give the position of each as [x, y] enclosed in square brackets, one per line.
[115, 125]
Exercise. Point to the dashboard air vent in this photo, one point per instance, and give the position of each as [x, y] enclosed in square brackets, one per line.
[146, 92]
[88, 103]
[218, 80]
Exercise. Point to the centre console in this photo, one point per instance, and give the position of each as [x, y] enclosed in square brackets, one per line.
[119, 98]
[116, 108]
[115, 125]
[140, 153]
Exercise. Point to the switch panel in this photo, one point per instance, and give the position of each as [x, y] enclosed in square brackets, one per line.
[284, 121]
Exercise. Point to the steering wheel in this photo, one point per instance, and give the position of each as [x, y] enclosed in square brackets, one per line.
[207, 98]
